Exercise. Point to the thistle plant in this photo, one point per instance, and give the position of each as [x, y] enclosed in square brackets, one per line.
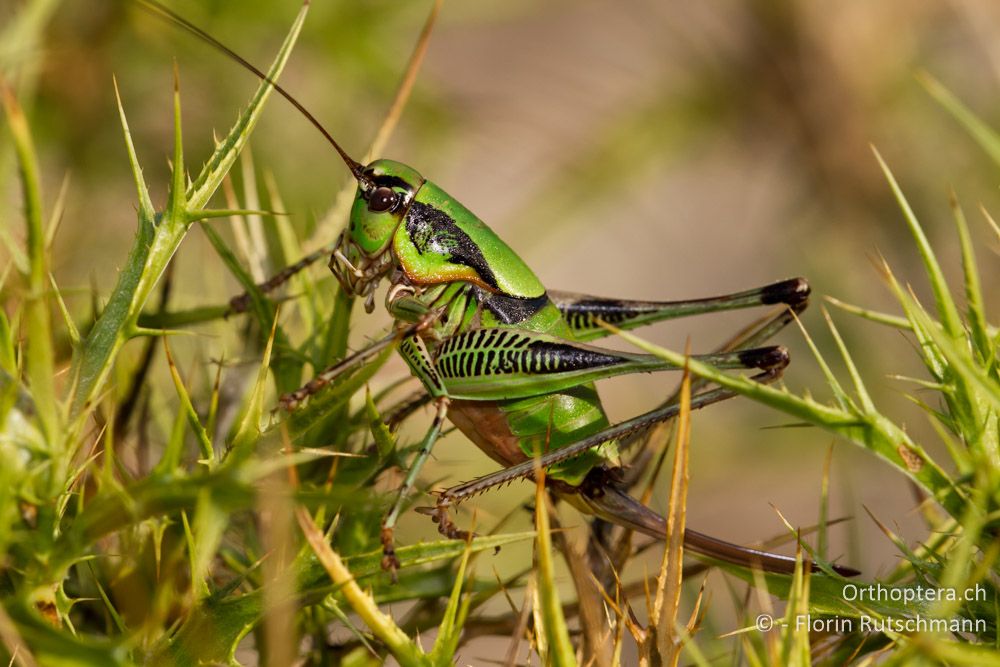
[175, 516]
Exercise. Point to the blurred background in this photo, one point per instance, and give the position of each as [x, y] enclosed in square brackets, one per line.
[636, 149]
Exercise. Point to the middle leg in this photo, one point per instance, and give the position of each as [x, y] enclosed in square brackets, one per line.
[526, 469]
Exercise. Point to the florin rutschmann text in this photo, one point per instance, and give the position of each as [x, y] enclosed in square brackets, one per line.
[918, 622]
[865, 623]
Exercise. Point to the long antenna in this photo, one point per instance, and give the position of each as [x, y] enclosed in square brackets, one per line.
[163, 12]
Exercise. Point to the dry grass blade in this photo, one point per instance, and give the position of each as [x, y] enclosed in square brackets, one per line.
[588, 595]
[405, 85]
[20, 653]
[275, 511]
[521, 628]
[668, 592]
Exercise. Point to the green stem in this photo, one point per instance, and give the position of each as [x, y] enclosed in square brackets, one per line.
[40, 359]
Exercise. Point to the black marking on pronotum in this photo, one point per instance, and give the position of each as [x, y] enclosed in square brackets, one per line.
[511, 309]
[433, 230]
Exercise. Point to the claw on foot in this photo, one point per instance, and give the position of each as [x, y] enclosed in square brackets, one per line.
[389, 561]
[446, 526]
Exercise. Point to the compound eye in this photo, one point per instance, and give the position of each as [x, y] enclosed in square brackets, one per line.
[381, 199]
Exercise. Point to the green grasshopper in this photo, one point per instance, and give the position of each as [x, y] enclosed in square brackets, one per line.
[506, 360]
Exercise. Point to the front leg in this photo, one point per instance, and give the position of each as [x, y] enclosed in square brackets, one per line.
[389, 560]
[415, 354]
[439, 307]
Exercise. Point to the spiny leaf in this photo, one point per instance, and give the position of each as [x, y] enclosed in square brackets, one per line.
[211, 214]
[74, 333]
[947, 310]
[156, 243]
[841, 396]
[8, 361]
[859, 385]
[450, 627]
[248, 432]
[870, 430]
[973, 288]
[960, 359]
[405, 650]
[176, 201]
[146, 211]
[932, 358]
[222, 159]
[204, 440]
[894, 321]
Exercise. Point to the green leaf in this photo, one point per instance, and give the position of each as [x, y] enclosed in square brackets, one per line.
[7, 347]
[947, 310]
[204, 440]
[146, 211]
[210, 521]
[978, 327]
[176, 201]
[871, 430]
[229, 148]
[214, 627]
[983, 134]
[74, 333]
[557, 648]
[859, 386]
[450, 627]
[248, 430]
[181, 318]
